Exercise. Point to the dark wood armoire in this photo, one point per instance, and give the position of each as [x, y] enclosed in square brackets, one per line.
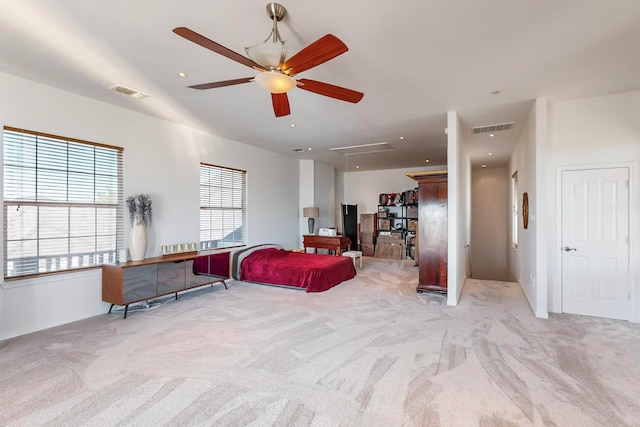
[432, 230]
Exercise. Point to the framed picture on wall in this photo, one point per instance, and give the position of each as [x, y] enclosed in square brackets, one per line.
[525, 210]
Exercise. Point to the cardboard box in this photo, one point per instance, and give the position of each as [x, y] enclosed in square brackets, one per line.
[390, 250]
[384, 224]
[367, 249]
[368, 222]
[412, 225]
[367, 238]
[412, 212]
[390, 235]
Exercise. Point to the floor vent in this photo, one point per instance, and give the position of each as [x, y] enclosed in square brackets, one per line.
[129, 92]
[493, 128]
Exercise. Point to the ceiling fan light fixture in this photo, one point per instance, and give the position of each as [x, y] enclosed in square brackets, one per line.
[268, 54]
[275, 81]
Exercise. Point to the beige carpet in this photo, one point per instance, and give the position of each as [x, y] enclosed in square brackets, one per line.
[370, 352]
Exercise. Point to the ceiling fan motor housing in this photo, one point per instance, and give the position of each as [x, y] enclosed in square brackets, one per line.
[276, 10]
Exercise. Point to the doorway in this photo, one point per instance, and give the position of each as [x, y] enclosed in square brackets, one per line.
[595, 237]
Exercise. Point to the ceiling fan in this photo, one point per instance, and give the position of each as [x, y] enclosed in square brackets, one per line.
[275, 73]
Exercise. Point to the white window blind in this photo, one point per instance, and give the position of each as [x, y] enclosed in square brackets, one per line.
[222, 207]
[63, 206]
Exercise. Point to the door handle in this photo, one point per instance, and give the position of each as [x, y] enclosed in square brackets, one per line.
[568, 249]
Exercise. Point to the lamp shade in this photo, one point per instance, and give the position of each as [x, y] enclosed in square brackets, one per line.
[311, 212]
[267, 54]
[275, 81]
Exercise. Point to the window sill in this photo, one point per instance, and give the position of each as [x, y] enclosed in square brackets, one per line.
[50, 277]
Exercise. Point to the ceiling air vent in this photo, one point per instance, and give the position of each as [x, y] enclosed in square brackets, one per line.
[493, 128]
[129, 92]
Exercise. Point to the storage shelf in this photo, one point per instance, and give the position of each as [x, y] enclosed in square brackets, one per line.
[390, 224]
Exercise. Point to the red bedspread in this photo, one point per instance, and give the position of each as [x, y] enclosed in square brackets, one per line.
[314, 272]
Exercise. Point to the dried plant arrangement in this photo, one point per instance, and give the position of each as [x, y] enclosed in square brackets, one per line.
[140, 209]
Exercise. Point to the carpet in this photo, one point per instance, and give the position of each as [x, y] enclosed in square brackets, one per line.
[369, 352]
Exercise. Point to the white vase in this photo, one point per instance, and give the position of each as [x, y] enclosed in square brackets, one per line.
[137, 239]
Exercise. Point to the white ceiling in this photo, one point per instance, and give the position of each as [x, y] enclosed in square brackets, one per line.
[413, 59]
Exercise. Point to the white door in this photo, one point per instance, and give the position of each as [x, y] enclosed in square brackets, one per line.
[595, 242]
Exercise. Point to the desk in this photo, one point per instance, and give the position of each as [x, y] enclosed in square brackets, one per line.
[333, 243]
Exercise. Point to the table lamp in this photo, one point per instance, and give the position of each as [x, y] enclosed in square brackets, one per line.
[311, 213]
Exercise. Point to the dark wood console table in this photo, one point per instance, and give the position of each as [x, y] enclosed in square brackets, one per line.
[333, 243]
[126, 283]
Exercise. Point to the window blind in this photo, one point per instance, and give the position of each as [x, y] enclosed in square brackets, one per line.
[222, 207]
[63, 206]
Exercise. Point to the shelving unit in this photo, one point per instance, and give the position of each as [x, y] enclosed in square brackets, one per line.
[398, 220]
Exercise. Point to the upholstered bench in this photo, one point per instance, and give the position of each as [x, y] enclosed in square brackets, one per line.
[354, 256]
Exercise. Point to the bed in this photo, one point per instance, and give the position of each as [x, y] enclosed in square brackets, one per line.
[272, 265]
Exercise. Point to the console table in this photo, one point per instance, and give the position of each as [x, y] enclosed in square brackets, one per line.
[333, 243]
[126, 283]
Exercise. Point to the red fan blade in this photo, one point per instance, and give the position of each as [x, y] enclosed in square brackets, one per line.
[331, 91]
[280, 104]
[214, 85]
[318, 52]
[216, 47]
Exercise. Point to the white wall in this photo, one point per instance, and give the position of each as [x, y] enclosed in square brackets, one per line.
[522, 260]
[459, 207]
[324, 193]
[589, 132]
[539, 216]
[160, 158]
[490, 211]
[527, 263]
[306, 196]
[317, 189]
[364, 188]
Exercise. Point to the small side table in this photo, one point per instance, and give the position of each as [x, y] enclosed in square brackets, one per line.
[354, 256]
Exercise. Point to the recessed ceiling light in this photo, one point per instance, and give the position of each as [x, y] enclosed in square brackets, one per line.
[357, 167]
[490, 154]
[293, 125]
[484, 166]
[426, 161]
[491, 135]
[182, 74]
[309, 148]
[402, 137]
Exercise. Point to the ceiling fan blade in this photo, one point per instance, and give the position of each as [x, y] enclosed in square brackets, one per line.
[280, 104]
[318, 52]
[224, 83]
[331, 91]
[216, 47]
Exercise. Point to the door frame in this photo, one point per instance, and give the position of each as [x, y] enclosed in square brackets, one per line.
[634, 315]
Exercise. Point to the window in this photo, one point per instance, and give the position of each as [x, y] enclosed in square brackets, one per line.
[222, 207]
[514, 209]
[62, 205]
